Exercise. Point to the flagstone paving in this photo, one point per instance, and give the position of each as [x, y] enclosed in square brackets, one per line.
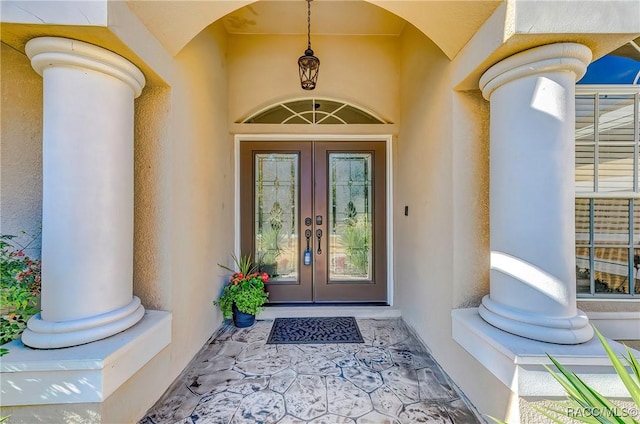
[238, 378]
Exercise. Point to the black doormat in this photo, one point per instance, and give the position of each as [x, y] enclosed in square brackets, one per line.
[315, 330]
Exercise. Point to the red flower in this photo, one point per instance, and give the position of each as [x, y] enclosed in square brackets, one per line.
[265, 277]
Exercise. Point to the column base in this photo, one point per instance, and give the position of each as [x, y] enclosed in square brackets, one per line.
[83, 375]
[518, 363]
[571, 330]
[41, 334]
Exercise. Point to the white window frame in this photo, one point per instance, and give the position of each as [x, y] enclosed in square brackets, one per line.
[634, 195]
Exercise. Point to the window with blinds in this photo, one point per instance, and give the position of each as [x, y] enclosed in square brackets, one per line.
[607, 196]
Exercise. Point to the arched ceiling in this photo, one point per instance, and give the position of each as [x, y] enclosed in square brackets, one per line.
[448, 23]
[288, 17]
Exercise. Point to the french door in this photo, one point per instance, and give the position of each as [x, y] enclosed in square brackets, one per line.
[313, 216]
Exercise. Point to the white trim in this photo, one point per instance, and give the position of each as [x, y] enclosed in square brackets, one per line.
[572, 57]
[623, 195]
[390, 272]
[617, 325]
[236, 195]
[607, 297]
[387, 138]
[584, 89]
[371, 312]
[48, 52]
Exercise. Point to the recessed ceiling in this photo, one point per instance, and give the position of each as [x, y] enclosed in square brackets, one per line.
[327, 17]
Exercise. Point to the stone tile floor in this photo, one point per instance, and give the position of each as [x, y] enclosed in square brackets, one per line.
[238, 378]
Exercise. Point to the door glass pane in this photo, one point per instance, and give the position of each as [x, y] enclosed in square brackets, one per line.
[276, 215]
[350, 217]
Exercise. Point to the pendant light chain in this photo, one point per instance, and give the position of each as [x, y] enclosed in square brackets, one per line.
[309, 24]
[308, 64]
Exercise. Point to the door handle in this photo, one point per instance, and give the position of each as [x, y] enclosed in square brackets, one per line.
[319, 235]
[307, 251]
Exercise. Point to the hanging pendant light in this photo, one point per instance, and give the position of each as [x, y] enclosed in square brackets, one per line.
[308, 64]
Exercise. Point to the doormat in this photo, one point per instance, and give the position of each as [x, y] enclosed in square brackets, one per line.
[315, 330]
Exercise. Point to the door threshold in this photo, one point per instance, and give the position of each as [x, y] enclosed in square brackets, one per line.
[302, 310]
[318, 304]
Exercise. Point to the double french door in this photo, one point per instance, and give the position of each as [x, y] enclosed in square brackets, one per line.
[313, 216]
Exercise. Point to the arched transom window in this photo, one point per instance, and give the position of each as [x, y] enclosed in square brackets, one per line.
[313, 111]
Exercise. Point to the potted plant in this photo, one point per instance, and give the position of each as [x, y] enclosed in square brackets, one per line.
[244, 296]
[19, 289]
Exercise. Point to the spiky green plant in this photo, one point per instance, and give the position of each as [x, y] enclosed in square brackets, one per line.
[585, 404]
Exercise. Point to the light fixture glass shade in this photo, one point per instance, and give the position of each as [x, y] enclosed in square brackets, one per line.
[308, 65]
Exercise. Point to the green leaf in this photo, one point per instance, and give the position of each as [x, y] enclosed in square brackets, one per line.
[629, 383]
[633, 364]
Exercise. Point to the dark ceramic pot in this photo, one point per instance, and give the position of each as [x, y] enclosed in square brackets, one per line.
[241, 319]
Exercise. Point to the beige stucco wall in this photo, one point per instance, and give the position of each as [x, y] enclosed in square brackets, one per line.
[152, 205]
[201, 190]
[20, 149]
[441, 247]
[358, 69]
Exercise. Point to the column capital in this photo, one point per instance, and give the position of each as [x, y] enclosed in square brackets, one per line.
[568, 57]
[46, 52]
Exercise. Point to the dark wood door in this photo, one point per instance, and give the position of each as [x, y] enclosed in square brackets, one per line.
[313, 215]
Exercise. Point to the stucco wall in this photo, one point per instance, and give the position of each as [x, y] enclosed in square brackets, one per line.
[470, 139]
[152, 206]
[263, 69]
[441, 247]
[201, 230]
[423, 182]
[20, 150]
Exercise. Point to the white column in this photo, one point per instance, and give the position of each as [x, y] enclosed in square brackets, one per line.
[533, 284]
[87, 210]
